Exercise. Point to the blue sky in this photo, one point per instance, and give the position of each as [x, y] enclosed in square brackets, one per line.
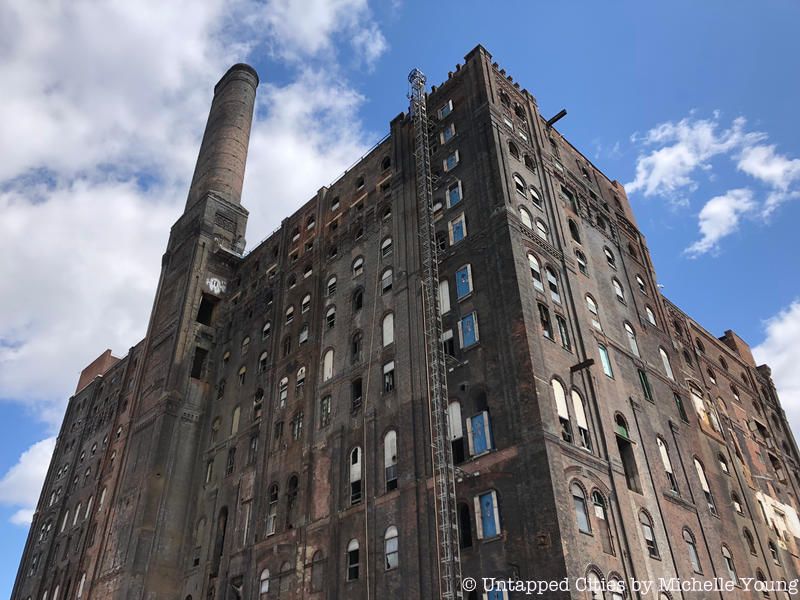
[692, 103]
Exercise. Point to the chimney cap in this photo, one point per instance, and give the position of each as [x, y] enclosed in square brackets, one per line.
[235, 69]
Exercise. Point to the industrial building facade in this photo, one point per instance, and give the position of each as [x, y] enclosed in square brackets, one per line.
[271, 435]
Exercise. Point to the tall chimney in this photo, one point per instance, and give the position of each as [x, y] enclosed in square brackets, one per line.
[223, 152]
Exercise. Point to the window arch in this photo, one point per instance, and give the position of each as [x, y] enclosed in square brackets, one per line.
[391, 549]
[305, 305]
[591, 306]
[390, 459]
[648, 534]
[729, 565]
[651, 316]
[541, 229]
[387, 280]
[330, 317]
[691, 549]
[387, 329]
[667, 464]
[582, 265]
[594, 585]
[358, 300]
[355, 475]
[265, 331]
[536, 197]
[317, 571]
[289, 314]
[237, 412]
[525, 217]
[631, 334]
[581, 511]
[386, 247]
[327, 365]
[641, 284]
[610, 259]
[352, 560]
[528, 162]
[618, 289]
[584, 437]
[561, 408]
[263, 583]
[723, 363]
[748, 538]
[536, 272]
[513, 150]
[519, 184]
[358, 266]
[665, 363]
[573, 231]
[552, 284]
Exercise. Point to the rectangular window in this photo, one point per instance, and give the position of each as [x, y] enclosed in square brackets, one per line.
[463, 281]
[444, 296]
[468, 330]
[487, 516]
[479, 434]
[449, 163]
[646, 389]
[563, 331]
[606, 361]
[446, 109]
[457, 229]
[447, 134]
[454, 194]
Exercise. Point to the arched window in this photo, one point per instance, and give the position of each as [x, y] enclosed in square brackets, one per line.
[603, 523]
[283, 391]
[594, 586]
[573, 231]
[541, 229]
[641, 284]
[263, 583]
[581, 258]
[317, 571]
[245, 345]
[307, 271]
[691, 549]
[327, 365]
[723, 464]
[330, 317]
[651, 316]
[390, 459]
[723, 363]
[525, 217]
[358, 266]
[631, 334]
[305, 305]
[262, 362]
[536, 197]
[581, 511]
[386, 163]
[388, 329]
[386, 281]
[748, 538]
[237, 412]
[667, 464]
[665, 363]
[728, 558]
[648, 534]
[513, 151]
[561, 409]
[352, 560]
[289, 314]
[701, 475]
[612, 262]
[355, 475]
[390, 548]
[519, 184]
[584, 438]
[291, 281]
[737, 503]
[618, 289]
[591, 306]
[265, 331]
[358, 300]
[552, 283]
[773, 551]
[386, 247]
[536, 272]
[291, 498]
[528, 162]
[272, 509]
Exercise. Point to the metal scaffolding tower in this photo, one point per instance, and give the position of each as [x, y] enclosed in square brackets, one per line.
[444, 471]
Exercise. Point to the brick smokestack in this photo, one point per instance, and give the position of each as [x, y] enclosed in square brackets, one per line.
[223, 152]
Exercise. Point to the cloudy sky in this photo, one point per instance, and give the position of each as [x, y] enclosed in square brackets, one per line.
[103, 104]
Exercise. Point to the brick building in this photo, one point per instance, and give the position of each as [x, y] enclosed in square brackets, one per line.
[270, 436]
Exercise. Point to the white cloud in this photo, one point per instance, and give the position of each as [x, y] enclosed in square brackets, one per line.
[720, 217]
[22, 483]
[683, 148]
[102, 111]
[781, 351]
[777, 170]
[308, 28]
